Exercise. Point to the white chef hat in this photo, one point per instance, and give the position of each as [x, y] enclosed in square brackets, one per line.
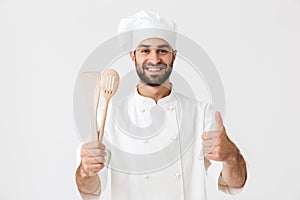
[146, 24]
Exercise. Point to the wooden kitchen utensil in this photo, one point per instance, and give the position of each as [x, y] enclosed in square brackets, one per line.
[91, 86]
[109, 85]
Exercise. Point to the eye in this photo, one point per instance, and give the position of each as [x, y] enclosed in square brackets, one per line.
[162, 51]
[144, 51]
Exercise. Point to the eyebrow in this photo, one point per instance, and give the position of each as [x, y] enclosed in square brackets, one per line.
[164, 45]
[159, 46]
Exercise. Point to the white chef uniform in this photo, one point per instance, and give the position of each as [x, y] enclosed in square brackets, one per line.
[180, 170]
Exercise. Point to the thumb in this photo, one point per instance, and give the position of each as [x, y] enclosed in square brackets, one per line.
[219, 120]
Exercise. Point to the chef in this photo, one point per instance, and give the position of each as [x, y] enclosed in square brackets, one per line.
[158, 144]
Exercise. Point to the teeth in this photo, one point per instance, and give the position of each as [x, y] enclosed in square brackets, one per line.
[154, 69]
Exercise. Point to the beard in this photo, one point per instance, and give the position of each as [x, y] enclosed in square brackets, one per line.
[155, 79]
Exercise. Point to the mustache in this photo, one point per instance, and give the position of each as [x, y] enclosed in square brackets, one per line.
[162, 65]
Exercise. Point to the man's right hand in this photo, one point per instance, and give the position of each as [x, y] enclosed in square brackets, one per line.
[92, 158]
[92, 161]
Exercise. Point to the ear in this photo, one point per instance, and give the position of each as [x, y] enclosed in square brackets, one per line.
[174, 54]
[131, 53]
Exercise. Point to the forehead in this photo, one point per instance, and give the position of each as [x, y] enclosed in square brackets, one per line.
[154, 42]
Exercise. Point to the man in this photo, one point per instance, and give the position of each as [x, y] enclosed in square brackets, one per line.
[195, 129]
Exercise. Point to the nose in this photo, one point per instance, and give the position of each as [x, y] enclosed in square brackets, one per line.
[154, 57]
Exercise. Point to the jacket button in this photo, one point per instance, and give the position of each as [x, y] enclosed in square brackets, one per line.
[174, 138]
[147, 177]
[177, 175]
[171, 108]
[145, 141]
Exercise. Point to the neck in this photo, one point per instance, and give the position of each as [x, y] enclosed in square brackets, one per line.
[155, 93]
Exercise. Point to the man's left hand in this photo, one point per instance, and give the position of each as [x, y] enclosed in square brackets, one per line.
[216, 144]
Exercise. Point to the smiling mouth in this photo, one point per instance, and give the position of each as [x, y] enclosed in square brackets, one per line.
[153, 69]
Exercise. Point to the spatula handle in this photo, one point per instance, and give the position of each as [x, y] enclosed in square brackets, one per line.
[100, 136]
[91, 87]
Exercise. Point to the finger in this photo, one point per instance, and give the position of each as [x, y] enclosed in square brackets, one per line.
[96, 153]
[93, 160]
[207, 150]
[210, 135]
[209, 143]
[100, 159]
[203, 136]
[210, 157]
[94, 145]
[210, 146]
[90, 169]
[219, 120]
[92, 153]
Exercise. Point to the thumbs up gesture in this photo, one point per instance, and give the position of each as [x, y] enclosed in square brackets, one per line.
[216, 144]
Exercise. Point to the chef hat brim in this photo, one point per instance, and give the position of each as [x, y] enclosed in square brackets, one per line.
[135, 37]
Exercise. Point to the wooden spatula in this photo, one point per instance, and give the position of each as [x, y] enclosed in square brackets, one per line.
[109, 85]
[91, 85]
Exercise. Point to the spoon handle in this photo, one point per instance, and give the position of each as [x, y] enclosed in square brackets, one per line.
[100, 136]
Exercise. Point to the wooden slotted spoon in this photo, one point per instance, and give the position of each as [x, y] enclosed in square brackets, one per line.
[109, 85]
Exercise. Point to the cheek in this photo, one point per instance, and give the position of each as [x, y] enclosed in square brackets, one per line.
[139, 61]
[169, 60]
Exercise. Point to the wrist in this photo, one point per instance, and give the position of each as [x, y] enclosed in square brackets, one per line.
[87, 184]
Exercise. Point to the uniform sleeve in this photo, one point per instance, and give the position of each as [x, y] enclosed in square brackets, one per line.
[214, 168]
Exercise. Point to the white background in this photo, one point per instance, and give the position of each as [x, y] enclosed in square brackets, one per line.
[255, 46]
